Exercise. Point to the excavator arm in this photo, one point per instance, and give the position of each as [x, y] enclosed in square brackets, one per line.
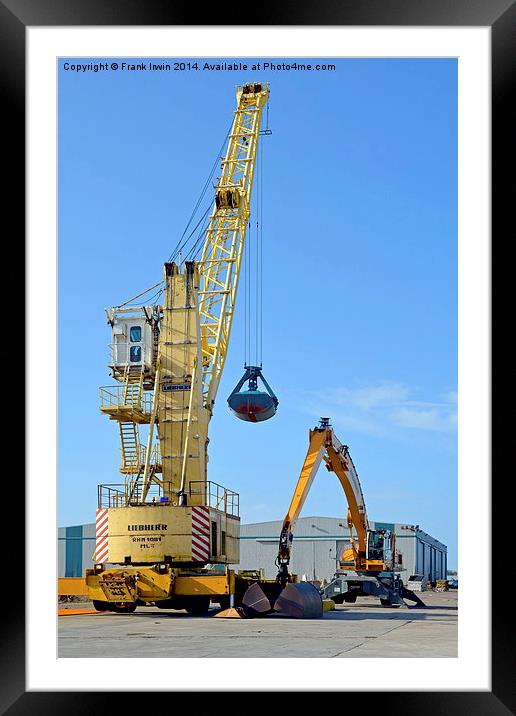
[314, 455]
[324, 445]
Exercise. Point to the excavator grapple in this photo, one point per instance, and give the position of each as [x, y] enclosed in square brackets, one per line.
[299, 600]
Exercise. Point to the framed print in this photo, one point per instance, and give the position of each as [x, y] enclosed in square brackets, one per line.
[362, 260]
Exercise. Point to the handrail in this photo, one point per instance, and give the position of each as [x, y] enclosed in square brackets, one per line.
[111, 396]
[129, 494]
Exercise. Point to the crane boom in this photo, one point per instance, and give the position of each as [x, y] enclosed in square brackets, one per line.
[221, 258]
[199, 306]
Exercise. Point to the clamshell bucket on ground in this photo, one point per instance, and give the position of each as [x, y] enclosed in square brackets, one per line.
[258, 599]
[299, 601]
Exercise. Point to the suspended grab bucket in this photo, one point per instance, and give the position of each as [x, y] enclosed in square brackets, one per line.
[253, 405]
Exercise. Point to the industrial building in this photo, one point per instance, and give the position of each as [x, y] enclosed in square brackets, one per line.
[318, 542]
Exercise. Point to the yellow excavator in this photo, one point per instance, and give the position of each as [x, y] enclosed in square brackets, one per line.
[369, 567]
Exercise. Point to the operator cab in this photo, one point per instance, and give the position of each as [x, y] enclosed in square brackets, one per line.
[380, 547]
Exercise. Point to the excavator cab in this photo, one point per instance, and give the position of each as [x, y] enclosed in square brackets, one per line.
[253, 405]
[380, 549]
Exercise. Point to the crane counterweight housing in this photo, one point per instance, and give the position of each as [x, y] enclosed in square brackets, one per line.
[167, 534]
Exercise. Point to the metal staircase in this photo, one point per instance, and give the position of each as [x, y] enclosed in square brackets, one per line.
[132, 450]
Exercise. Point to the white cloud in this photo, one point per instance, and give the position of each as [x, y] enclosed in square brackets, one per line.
[383, 408]
[441, 419]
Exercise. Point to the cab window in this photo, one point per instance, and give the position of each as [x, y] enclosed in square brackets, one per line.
[135, 334]
[135, 354]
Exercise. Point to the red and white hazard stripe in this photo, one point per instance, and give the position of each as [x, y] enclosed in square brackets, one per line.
[102, 537]
[200, 534]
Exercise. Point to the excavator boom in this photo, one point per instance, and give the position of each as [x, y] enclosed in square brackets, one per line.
[371, 548]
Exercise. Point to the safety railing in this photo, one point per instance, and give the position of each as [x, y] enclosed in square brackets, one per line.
[216, 496]
[112, 396]
[109, 496]
[130, 494]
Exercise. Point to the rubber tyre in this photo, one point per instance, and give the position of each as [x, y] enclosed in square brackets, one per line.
[351, 599]
[125, 609]
[387, 603]
[101, 606]
[223, 602]
[198, 606]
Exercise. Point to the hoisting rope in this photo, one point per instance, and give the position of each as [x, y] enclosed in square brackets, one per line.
[253, 276]
[182, 241]
[121, 305]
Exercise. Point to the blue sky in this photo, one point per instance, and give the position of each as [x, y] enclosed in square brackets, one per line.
[360, 274]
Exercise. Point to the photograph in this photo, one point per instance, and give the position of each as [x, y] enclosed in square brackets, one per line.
[257, 357]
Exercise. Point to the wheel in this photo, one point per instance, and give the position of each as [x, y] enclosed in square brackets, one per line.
[223, 602]
[350, 598]
[124, 607]
[388, 603]
[198, 605]
[102, 606]
[338, 598]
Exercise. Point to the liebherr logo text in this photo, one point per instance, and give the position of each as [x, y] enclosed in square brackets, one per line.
[146, 528]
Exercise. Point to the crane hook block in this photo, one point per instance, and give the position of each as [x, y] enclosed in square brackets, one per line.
[253, 405]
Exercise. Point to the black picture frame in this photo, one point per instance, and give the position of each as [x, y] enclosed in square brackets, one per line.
[500, 16]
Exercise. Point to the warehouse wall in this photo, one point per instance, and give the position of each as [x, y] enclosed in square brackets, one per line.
[322, 539]
[317, 544]
[76, 546]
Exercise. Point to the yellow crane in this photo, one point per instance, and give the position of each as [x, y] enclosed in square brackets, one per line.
[167, 534]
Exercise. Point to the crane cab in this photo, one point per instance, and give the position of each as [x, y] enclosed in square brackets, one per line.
[133, 346]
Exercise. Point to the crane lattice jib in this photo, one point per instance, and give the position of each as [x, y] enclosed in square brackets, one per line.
[221, 258]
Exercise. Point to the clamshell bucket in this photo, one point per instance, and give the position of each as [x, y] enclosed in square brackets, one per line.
[300, 601]
[255, 602]
[253, 405]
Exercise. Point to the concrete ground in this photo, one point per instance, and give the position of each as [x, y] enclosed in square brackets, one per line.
[363, 629]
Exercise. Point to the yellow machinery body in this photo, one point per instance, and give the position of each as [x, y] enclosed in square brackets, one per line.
[154, 534]
[363, 555]
[159, 534]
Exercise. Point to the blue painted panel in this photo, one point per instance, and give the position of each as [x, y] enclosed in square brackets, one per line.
[73, 562]
[384, 526]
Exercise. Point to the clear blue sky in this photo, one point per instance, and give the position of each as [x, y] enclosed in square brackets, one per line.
[360, 274]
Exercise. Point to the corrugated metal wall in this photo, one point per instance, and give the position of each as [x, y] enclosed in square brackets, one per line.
[76, 546]
[318, 541]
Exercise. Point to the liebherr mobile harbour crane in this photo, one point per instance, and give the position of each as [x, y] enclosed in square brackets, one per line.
[167, 535]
